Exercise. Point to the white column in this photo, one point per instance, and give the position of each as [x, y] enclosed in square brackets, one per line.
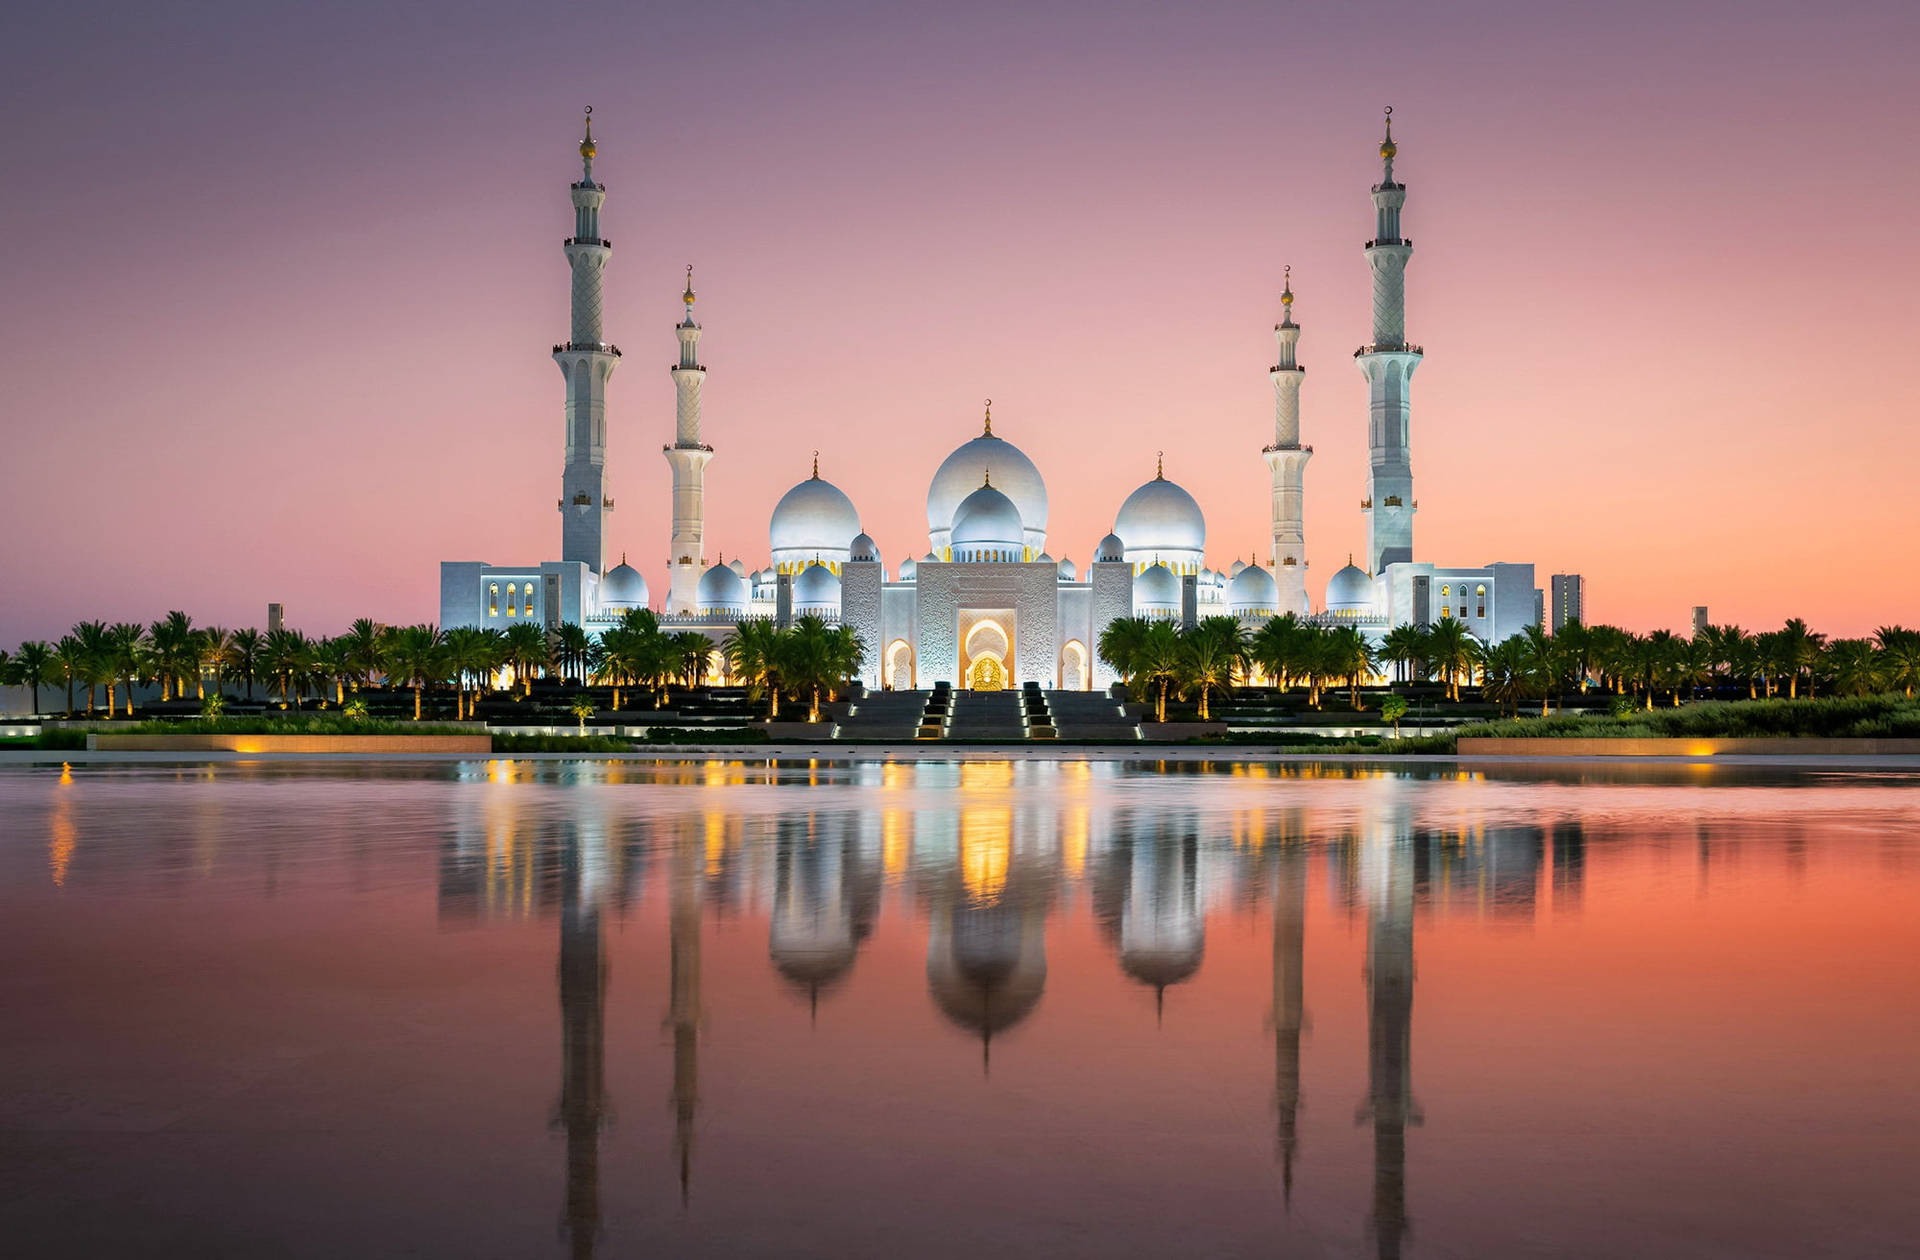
[586, 362]
[1287, 465]
[688, 457]
[1388, 363]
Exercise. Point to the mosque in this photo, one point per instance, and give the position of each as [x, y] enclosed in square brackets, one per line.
[987, 605]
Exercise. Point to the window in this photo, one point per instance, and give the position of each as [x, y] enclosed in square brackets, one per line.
[527, 600]
[1445, 612]
[1445, 591]
[493, 599]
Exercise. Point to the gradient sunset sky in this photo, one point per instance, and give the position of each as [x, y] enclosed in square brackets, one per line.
[279, 284]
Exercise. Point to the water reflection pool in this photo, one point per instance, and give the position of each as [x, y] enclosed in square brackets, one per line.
[957, 1009]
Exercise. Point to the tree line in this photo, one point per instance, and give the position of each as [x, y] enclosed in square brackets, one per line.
[99, 662]
[1217, 653]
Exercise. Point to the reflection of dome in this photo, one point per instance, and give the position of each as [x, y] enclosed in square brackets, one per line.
[907, 567]
[623, 588]
[1156, 592]
[721, 590]
[1350, 591]
[813, 518]
[987, 965]
[1162, 521]
[816, 590]
[813, 961]
[1160, 967]
[1252, 591]
[967, 468]
[986, 526]
[1068, 573]
[1109, 550]
[863, 548]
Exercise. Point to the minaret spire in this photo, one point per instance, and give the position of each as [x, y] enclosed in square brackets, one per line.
[586, 361]
[688, 456]
[988, 432]
[1287, 464]
[1388, 362]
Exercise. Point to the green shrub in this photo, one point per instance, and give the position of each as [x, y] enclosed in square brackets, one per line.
[561, 744]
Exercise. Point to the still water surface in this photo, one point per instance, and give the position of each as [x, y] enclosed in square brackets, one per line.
[972, 1010]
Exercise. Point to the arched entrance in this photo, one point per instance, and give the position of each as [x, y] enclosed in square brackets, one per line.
[900, 665]
[987, 674]
[1073, 666]
[984, 637]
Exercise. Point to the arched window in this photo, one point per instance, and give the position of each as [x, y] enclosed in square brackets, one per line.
[1445, 591]
[493, 599]
[1480, 600]
[526, 602]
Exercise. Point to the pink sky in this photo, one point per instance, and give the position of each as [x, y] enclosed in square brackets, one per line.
[278, 291]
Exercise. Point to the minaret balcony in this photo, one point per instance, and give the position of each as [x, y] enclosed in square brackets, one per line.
[1399, 240]
[587, 347]
[688, 367]
[602, 241]
[1290, 446]
[1286, 367]
[1390, 347]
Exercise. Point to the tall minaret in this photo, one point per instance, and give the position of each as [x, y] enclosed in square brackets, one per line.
[586, 360]
[689, 460]
[1388, 363]
[1287, 461]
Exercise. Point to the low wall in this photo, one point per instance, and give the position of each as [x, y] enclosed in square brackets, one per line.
[292, 743]
[799, 730]
[1685, 747]
[1180, 731]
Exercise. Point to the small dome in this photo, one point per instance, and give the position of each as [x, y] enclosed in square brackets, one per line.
[987, 519]
[738, 567]
[1156, 590]
[721, 590]
[864, 548]
[929, 558]
[1350, 591]
[623, 588]
[1068, 572]
[769, 575]
[1162, 520]
[1043, 558]
[814, 517]
[1252, 591]
[1110, 550]
[1238, 565]
[907, 567]
[816, 590]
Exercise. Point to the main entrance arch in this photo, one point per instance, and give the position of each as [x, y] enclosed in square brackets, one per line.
[988, 674]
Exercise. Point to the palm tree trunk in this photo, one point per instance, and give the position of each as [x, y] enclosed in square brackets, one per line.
[110, 701]
[416, 702]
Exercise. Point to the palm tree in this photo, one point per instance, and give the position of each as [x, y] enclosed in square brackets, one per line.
[1505, 678]
[1851, 663]
[1899, 654]
[68, 659]
[848, 652]
[1692, 664]
[1451, 651]
[1544, 664]
[288, 656]
[130, 653]
[175, 651]
[1275, 648]
[1120, 646]
[364, 650]
[470, 650]
[1393, 708]
[751, 655]
[414, 657]
[245, 657]
[333, 663]
[1575, 645]
[1406, 649]
[808, 658]
[212, 651]
[96, 657]
[1207, 665]
[1351, 657]
[32, 666]
[570, 649]
[1159, 662]
[1800, 651]
[526, 645]
[693, 651]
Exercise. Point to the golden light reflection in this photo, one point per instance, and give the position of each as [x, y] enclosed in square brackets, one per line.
[896, 841]
[1075, 824]
[986, 850]
[62, 835]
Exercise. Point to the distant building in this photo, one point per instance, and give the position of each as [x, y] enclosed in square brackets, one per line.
[1700, 621]
[276, 617]
[1539, 607]
[1569, 598]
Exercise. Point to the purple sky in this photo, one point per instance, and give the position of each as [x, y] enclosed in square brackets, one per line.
[279, 283]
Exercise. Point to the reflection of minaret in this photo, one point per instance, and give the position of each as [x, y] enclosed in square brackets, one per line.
[1389, 1028]
[683, 1014]
[1289, 945]
[583, 1102]
[1162, 928]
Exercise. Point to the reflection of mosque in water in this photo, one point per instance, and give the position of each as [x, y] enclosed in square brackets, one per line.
[987, 877]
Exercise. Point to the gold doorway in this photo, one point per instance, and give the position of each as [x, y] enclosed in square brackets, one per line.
[987, 675]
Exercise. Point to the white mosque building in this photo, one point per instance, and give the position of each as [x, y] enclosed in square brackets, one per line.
[987, 605]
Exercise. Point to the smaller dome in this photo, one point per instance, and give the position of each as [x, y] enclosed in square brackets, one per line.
[1252, 591]
[1207, 577]
[1350, 590]
[769, 575]
[738, 567]
[1156, 590]
[929, 558]
[864, 548]
[1068, 572]
[1043, 558]
[816, 589]
[987, 526]
[1161, 517]
[1110, 550]
[623, 587]
[721, 590]
[1238, 565]
[907, 567]
[814, 516]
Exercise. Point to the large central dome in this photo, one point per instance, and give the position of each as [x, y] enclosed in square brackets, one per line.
[967, 469]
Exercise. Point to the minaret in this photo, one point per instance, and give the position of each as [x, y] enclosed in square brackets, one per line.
[1388, 363]
[1287, 462]
[689, 460]
[586, 360]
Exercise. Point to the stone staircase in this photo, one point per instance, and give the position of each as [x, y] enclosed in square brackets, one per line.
[1089, 715]
[1035, 712]
[987, 715]
[885, 715]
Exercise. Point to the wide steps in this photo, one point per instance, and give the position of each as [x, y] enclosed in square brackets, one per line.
[885, 715]
[986, 715]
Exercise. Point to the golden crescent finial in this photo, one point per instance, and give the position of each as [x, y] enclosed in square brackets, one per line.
[587, 147]
[989, 428]
[816, 465]
[687, 297]
[1387, 146]
[1159, 465]
[1286, 291]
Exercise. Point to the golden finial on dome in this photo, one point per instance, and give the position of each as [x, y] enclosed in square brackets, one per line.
[687, 297]
[989, 428]
[986, 480]
[1387, 146]
[1159, 465]
[587, 149]
[1286, 293]
[816, 465]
